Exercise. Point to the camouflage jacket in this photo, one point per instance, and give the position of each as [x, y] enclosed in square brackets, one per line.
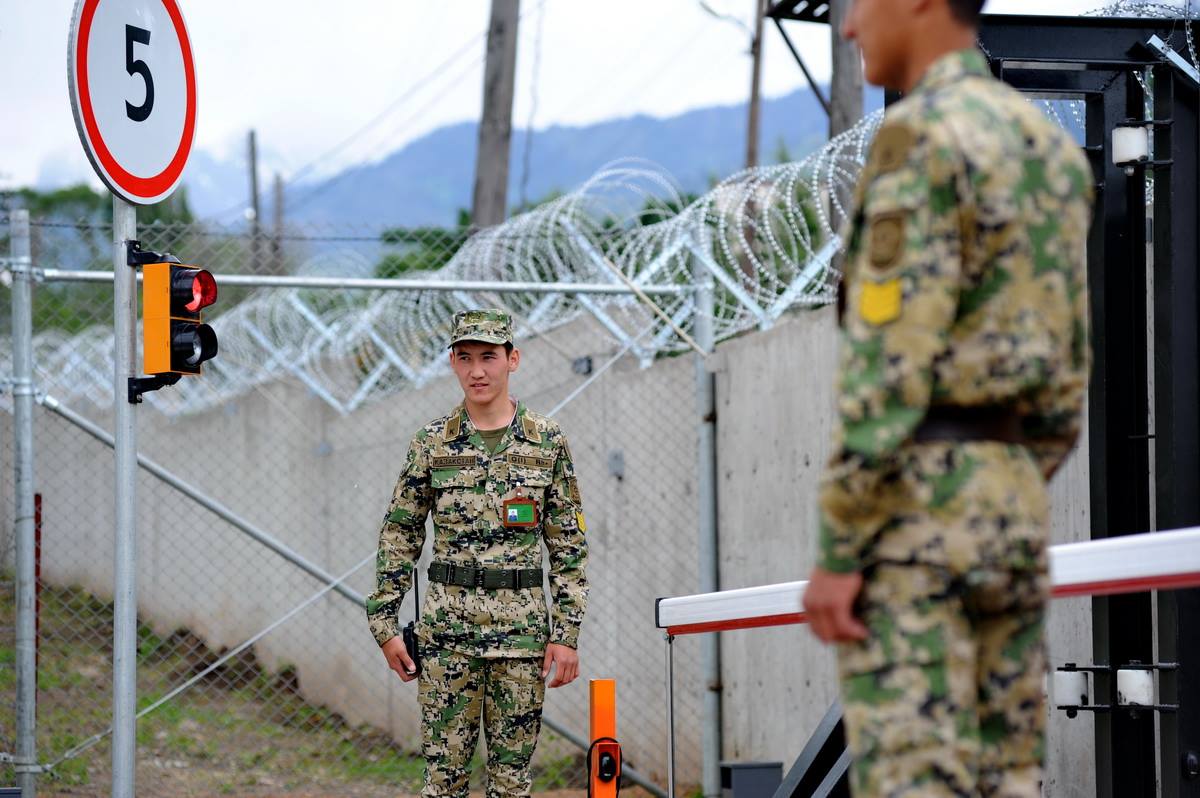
[964, 286]
[450, 472]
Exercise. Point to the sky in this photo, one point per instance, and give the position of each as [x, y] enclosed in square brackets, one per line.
[330, 85]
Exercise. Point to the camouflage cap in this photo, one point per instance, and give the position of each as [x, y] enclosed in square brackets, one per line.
[492, 326]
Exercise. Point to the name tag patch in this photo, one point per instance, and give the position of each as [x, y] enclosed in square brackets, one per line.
[544, 463]
[453, 461]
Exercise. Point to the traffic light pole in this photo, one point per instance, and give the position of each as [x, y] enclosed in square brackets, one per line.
[124, 571]
[23, 526]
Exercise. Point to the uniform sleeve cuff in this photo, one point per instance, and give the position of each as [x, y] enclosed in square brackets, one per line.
[837, 555]
[384, 629]
[839, 565]
[565, 637]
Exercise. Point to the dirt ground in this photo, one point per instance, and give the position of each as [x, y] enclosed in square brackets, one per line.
[245, 733]
[164, 786]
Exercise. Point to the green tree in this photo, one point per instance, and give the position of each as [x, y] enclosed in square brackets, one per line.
[421, 249]
[71, 228]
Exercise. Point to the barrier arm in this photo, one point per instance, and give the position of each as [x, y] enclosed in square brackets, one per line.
[1124, 564]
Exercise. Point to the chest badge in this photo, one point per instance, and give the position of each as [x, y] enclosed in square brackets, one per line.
[521, 510]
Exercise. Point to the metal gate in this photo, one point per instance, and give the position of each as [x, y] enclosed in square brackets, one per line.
[1144, 401]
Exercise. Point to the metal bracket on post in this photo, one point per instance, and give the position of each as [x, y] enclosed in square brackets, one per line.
[141, 385]
[1173, 58]
[136, 256]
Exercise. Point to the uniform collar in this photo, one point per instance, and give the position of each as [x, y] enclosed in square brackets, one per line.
[951, 68]
[460, 426]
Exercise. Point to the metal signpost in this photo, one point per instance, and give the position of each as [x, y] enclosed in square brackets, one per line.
[133, 92]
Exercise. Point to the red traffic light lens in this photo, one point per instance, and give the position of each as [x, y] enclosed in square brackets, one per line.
[204, 290]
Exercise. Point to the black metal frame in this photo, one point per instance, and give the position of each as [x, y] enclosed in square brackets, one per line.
[822, 769]
[801, 11]
[1104, 54]
[1096, 60]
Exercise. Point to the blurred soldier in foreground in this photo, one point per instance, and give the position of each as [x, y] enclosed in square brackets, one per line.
[963, 369]
[499, 481]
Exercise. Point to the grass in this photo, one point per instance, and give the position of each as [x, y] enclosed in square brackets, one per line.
[246, 733]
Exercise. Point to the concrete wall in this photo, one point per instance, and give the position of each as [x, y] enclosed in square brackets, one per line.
[320, 482]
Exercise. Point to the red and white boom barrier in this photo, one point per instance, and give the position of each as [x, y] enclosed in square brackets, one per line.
[1126, 564]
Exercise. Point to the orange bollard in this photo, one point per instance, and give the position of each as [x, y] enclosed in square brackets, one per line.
[604, 754]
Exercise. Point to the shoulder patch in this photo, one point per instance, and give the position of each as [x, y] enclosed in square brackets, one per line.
[885, 240]
[544, 463]
[453, 427]
[881, 303]
[891, 147]
[530, 428]
[453, 461]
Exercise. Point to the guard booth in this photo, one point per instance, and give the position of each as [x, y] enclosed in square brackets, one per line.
[1138, 85]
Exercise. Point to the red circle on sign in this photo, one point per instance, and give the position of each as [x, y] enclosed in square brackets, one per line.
[144, 187]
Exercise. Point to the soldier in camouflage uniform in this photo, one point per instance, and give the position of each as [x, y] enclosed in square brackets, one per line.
[499, 481]
[963, 369]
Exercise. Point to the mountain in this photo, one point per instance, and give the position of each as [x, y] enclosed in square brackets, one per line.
[427, 181]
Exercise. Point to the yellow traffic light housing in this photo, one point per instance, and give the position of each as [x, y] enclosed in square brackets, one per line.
[175, 338]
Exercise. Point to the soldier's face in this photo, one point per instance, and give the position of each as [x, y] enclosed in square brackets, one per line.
[882, 29]
[483, 369]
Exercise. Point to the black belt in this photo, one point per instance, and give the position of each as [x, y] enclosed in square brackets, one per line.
[961, 424]
[449, 573]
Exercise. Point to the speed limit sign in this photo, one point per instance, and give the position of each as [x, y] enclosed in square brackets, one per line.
[133, 91]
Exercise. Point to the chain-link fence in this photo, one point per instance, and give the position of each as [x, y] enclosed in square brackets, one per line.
[311, 703]
[262, 483]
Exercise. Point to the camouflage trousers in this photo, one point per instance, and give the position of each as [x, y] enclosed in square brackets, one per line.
[456, 693]
[945, 697]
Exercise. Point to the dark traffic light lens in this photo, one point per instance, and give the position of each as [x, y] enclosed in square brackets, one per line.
[193, 344]
[204, 291]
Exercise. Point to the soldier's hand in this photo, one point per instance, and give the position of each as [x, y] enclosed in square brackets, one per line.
[565, 661]
[829, 605]
[398, 659]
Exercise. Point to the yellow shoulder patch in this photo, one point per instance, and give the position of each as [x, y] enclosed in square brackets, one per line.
[582, 523]
[890, 149]
[880, 303]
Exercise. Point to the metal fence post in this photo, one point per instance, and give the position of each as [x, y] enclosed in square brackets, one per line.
[22, 340]
[709, 564]
[125, 562]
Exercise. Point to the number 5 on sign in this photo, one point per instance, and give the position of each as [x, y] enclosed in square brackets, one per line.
[133, 91]
[138, 113]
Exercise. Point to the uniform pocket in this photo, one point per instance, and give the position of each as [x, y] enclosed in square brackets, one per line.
[911, 613]
[532, 479]
[456, 496]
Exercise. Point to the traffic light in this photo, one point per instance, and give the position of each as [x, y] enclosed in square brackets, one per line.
[176, 341]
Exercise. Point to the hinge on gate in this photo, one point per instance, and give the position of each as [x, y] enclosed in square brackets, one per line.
[1065, 684]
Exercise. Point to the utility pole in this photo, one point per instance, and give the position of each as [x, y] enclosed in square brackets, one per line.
[756, 48]
[845, 103]
[846, 87]
[277, 227]
[489, 203]
[254, 210]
